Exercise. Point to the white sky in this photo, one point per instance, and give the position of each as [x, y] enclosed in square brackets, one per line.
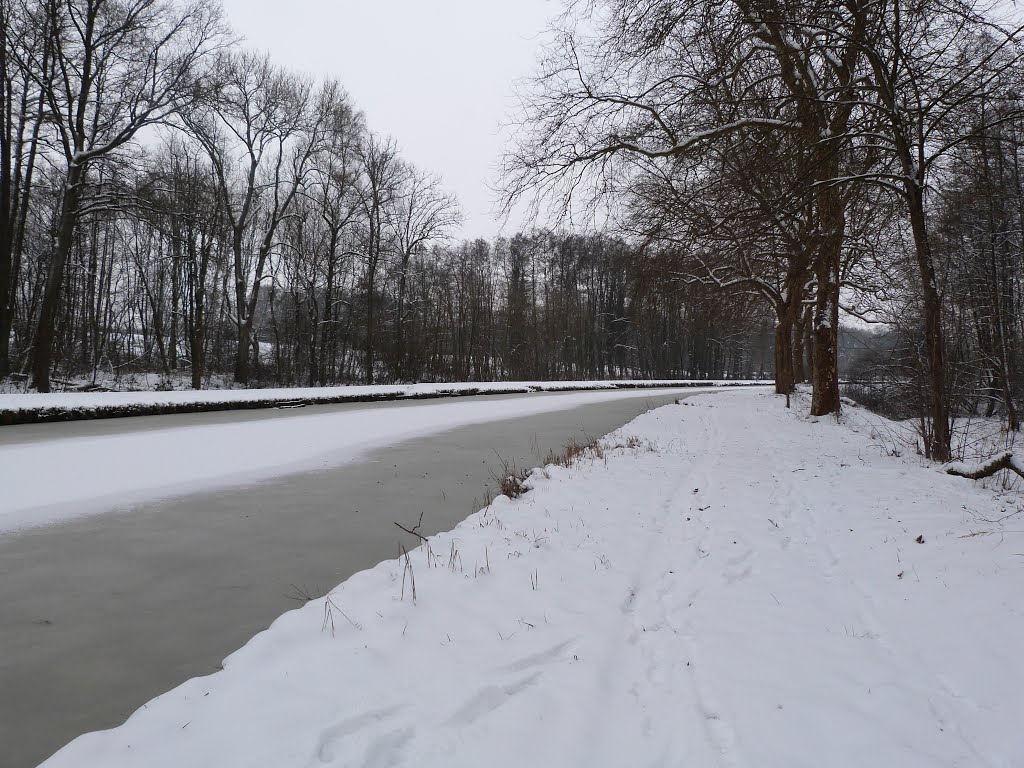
[437, 75]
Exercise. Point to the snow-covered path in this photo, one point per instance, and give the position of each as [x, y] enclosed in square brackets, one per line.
[737, 586]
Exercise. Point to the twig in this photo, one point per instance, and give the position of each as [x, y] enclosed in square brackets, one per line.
[414, 531]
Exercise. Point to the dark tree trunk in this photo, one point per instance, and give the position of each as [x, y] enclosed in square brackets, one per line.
[370, 331]
[938, 447]
[400, 366]
[783, 351]
[6, 280]
[799, 372]
[42, 343]
[825, 331]
[824, 362]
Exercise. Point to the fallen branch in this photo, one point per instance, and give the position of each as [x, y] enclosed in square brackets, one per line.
[415, 530]
[1004, 460]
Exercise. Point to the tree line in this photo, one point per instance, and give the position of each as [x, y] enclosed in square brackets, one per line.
[835, 160]
[172, 202]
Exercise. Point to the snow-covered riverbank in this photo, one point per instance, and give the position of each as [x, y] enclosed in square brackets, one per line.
[56, 472]
[33, 407]
[726, 583]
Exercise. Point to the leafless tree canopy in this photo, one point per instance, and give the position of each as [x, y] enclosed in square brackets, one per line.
[805, 152]
[172, 204]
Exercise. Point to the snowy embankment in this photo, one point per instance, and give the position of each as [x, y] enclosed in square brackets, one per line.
[727, 584]
[133, 463]
[30, 408]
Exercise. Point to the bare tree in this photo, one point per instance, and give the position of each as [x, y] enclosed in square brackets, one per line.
[261, 128]
[930, 65]
[332, 193]
[659, 83]
[25, 69]
[117, 68]
[379, 192]
[424, 214]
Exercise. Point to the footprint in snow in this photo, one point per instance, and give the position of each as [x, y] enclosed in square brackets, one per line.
[537, 659]
[332, 736]
[386, 750]
[489, 699]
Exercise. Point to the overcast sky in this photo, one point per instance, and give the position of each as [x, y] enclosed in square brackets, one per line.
[437, 75]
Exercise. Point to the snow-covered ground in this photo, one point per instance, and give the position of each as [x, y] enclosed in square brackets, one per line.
[97, 401]
[47, 480]
[736, 585]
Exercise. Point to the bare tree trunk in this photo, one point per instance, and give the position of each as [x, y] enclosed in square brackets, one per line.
[6, 277]
[17, 169]
[789, 353]
[825, 330]
[939, 447]
[784, 380]
[807, 331]
[242, 356]
[243, 328]
[42, 344]
[799, 372]
[370, 330]
[175, 292]
[400, 366]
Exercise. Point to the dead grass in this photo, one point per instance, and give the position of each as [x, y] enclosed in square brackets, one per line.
[330, 608]
[303, 594]
[509, 479]
[454, 559]
[574, 451]
[407, 572]
[638, 445]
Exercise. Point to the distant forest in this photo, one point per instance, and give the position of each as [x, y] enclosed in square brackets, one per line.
[176, 205]
[173, 204]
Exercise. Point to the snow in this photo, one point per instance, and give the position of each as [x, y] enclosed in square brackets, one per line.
[101, 472]
[738, 586]
[1001, 461]
[86, 400]
[58, 406]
